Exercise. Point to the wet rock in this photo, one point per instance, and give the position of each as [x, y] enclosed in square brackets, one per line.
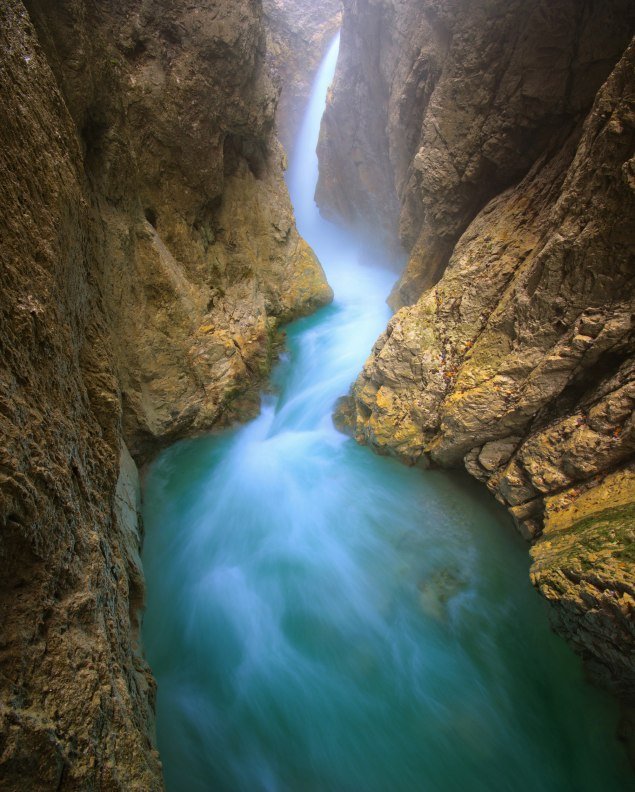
[507, 169]
[148, 255]
[583, 565]
[344, 415]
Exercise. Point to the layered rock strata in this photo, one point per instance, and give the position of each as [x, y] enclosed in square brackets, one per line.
[148, 253]
[506, 151]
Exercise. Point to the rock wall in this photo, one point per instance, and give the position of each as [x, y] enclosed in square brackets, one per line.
[440, 105]
[298, 33]
[175, 111]
[148, 252]
[508, 131]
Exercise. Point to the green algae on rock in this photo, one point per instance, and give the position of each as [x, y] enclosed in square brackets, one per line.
[583, 564]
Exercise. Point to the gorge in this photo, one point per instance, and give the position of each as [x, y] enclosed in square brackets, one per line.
[322, 618]
[317, 616]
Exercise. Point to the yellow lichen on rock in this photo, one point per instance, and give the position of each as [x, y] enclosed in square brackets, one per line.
[513, 350]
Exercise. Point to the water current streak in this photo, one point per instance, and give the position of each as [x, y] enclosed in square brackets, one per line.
[323, 619]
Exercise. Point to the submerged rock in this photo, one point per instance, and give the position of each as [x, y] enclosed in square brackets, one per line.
[437, 589]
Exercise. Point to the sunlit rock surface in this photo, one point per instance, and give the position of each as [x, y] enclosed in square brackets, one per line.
[506, 152]
[148, 252]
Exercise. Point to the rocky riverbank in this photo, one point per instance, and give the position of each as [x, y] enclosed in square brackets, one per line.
[149, 252]
[495, 144]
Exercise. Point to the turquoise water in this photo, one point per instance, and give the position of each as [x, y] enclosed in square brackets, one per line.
[321, 619]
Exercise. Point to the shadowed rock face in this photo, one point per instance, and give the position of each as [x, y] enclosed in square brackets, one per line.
[148, 252]
[508, 138]
[440, 105]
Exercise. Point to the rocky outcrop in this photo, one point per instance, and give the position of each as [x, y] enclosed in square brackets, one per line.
[356, 181]
[583, 564]
[509, 139]
[298, 33]
[175, 113]
[148, 253]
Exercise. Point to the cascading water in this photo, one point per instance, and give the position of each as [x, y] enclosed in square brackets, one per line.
[323, 619]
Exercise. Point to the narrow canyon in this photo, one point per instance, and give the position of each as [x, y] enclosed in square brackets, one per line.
[331, 494]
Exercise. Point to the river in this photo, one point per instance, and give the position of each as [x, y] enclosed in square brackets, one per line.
[321, 619]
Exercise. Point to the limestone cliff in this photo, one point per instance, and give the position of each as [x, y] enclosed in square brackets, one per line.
[503, 149]
[148, 251]
[298, 33]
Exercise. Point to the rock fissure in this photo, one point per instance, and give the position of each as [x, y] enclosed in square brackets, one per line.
[149, 253]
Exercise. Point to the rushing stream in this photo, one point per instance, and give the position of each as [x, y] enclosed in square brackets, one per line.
[321, 619]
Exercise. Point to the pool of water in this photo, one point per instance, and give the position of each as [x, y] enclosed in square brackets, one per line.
[323, 619]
